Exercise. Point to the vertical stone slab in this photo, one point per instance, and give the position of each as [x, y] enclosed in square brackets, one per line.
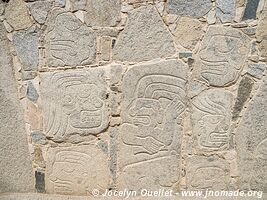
[16, 173]
[150, 136]
[222, 55]
[261, 34]
[145, 37]
[211, 119]
[74, 103]
[68, 41]
[251, 139]
[76, 170]
[26, 45]
[225, 10]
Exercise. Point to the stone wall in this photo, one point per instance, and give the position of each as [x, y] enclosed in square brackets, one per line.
[132, 94]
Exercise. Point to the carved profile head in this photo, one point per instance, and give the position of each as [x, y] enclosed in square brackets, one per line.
[69, 42]
[222, 55]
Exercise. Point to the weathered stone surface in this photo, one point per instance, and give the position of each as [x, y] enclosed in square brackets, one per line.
[15, 164]
[74, 102]
[261, 33]
[39, 10]
[243, 94]
[211, 119]
[26, 45]
[17, 15]
[222, 55]
[225, 10]
[191, 8]
[145, 37]
[251, 9]
[207, 173]
[2, 7]
[150, 137]
[32, 93]
[251, 138]
[76, 170]
[78, 4]
[102, 12]
[60, 3]
[40, 182]
[69, 42]
[184, 26]
[256, 69]
[38, 137]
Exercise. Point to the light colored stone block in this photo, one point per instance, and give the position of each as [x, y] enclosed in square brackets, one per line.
[251, 139]
[145, 37]
[150, 136]
[184, 26]
[76, 170]
[103, 13]
[17, 15]
[16, 174]
[207, 173]
[68, 41]
[211, 119]
[222, 55]
[74, 102]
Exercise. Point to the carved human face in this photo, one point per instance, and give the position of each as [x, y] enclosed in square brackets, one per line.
[70, 173]
[69, 42]
[83, 106]
[145, 112]
[222, 56]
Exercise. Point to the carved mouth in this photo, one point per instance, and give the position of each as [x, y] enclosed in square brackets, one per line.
[86, 119]
[141, 120]
[63, 187]
[214, 68]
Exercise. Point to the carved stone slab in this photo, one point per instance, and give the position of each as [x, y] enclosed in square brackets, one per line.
[68, 41]
[74, 102]
[150, 137]
[211, 119]
[207, 173]
[76, 170]
[222, 55]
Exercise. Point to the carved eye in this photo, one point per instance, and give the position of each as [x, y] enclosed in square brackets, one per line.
[68, 100]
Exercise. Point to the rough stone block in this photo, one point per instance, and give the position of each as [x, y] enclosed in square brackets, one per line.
[103, 13]
[17, 15]
[251, 138]
[145, 37]
[190, 8]
[26, 45]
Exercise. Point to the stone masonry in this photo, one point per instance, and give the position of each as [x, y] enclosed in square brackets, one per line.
[114, 95]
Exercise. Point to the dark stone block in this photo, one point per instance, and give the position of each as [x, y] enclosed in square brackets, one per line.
[40, 182]
[244, 91]
[251, 9]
